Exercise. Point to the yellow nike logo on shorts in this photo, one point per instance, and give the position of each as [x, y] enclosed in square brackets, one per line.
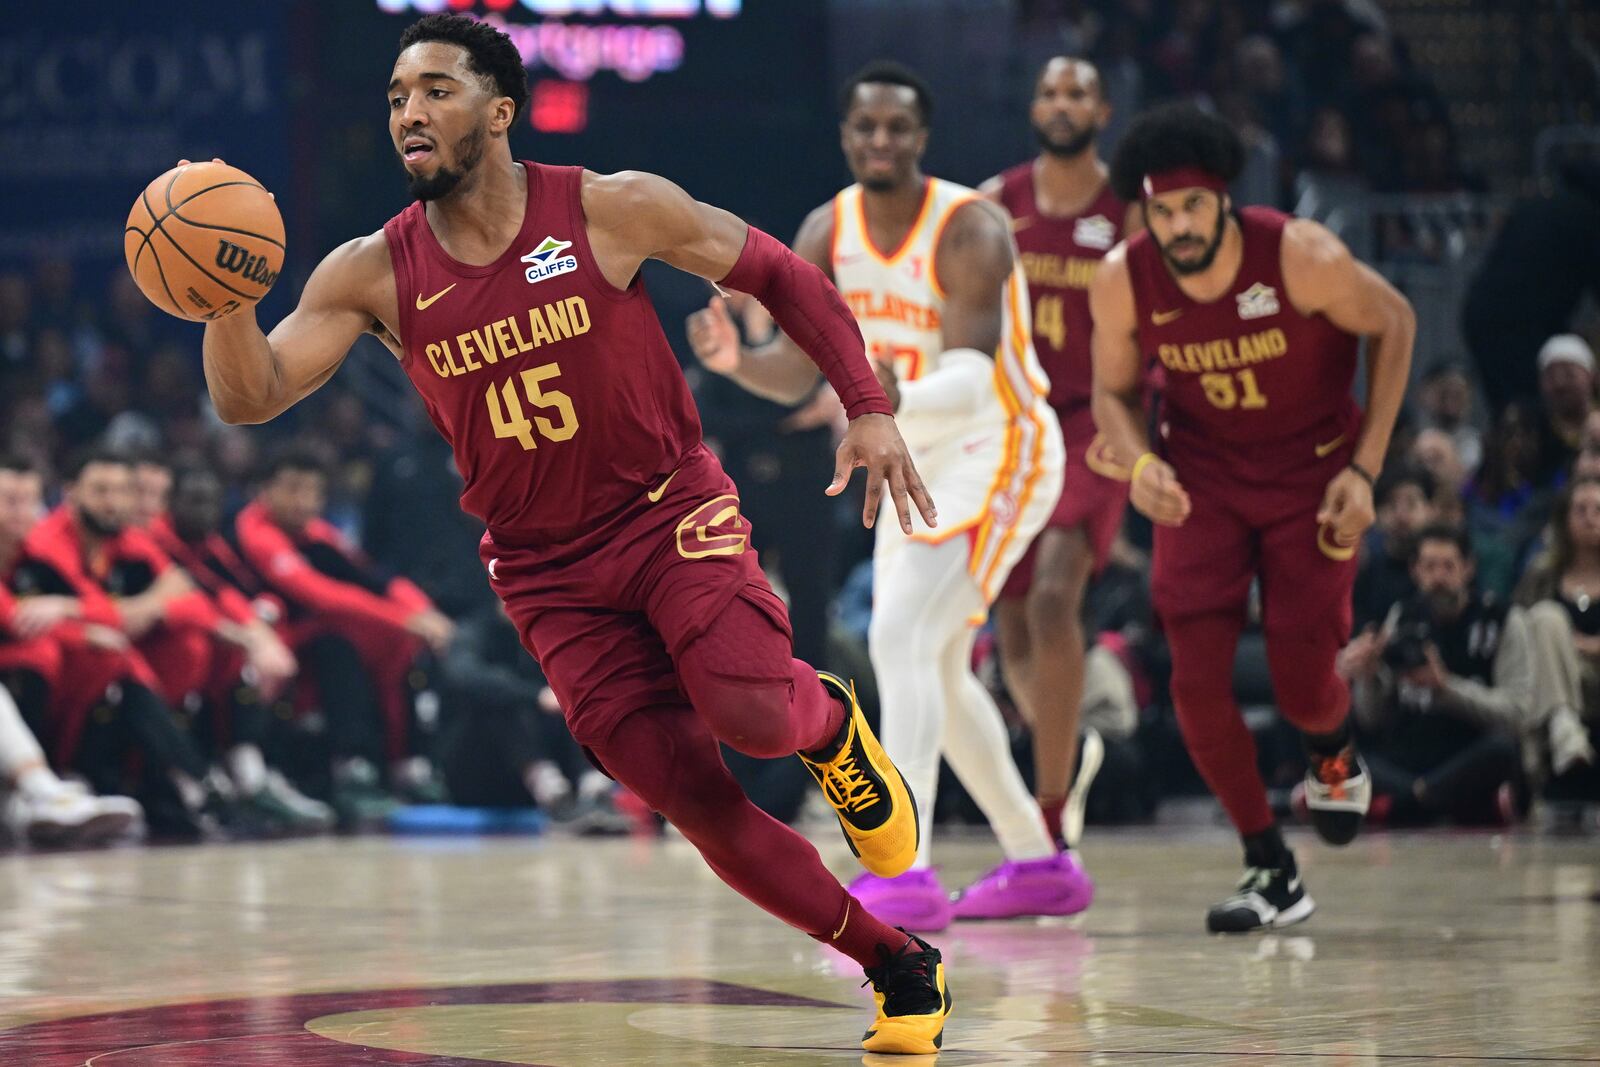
[1323, 450]
[655, 494]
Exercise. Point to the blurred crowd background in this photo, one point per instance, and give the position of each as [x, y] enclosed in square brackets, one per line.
[1452, 143]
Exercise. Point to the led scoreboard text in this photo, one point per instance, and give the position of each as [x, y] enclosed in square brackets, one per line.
[577, 50]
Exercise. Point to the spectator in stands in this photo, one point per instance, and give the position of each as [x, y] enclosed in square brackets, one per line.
[364, 637]
[1566, 388]
[1405, 502]
[1562, 594]
[1543, 261]
[1443, 692]
[1505, 485]
[78, 680]
[1498, 552]
[1444, 403]
[506, 740]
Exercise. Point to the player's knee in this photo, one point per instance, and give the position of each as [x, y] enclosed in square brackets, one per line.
[749, 716]
[1053, 613]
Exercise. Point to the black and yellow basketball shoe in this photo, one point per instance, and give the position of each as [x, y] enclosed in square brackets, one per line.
[913, 1001]
[874, 804]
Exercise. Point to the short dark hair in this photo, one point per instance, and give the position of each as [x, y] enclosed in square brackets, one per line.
[888, 72]
[1169, 137]
[1446, 532]
[17, 463]
[93, 455]
[490, 53]
[1393, 479]
[298, 459]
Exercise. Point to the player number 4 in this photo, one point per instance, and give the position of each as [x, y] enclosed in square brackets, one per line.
[506, 411]
[1049, 322]
[1223, 393]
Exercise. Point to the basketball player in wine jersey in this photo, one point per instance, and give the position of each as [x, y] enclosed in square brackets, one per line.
[930, 271]
[510, 294]
[1263, 470]
[1065, 218]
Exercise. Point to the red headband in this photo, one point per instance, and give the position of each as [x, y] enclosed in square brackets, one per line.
[1182, 178]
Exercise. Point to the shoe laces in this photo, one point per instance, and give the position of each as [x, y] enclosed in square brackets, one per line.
[846, 786]
[1333, 771]
[1256, 879]
[907, 972]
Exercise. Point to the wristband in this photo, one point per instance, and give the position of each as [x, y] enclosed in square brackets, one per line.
[1139, 465]
[1366, 476]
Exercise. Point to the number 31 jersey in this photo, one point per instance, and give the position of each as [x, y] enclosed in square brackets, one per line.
[557, 391]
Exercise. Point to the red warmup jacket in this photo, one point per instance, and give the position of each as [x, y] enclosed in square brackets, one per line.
[318, 572]
[214, 566]
[54, 560]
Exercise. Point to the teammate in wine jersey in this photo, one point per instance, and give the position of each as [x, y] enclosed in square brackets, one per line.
[1263, 471]
[510, 295]
[1065, 218]
[945, 317]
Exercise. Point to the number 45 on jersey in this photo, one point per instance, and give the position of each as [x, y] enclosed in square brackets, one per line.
[506, 413]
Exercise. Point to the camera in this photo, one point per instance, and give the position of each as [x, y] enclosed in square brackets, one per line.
[1408, 645]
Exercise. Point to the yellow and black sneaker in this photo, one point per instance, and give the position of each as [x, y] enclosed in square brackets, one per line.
[875, 807]
[912, 998]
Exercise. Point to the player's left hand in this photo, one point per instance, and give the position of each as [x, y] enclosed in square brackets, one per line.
[1347, 507]
[873, 441]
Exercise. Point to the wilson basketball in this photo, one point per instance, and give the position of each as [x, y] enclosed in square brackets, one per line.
[204, 240]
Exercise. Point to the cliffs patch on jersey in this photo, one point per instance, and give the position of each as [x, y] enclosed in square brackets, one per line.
[546, 261]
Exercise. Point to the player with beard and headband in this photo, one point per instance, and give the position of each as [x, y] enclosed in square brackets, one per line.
[510, 294]
[946, 317]
[1065, 218]
[1265, 465]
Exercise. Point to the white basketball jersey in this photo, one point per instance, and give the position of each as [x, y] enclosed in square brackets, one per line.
[898, 301]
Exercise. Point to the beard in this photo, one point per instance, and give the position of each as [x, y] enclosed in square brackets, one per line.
[99, 525]
[1206, 259]
[1080, 142]
[880, 185]
[1443, 604]
[443, 182]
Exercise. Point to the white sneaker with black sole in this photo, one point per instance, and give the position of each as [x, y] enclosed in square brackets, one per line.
[1091, 754]
[1338, 792]
[1269, 898]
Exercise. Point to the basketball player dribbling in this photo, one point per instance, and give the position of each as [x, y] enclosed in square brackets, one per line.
[1065, 218]
[1265, 465]
[510, 294]
[930, 271]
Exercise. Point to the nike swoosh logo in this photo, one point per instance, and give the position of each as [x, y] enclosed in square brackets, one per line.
[655, 494]
[422, 305]
[494, 569]
[1323, 450]
[840, 931]
[1294, 886]
[1161, 318]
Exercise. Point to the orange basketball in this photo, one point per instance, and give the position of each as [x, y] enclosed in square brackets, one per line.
[204, 240]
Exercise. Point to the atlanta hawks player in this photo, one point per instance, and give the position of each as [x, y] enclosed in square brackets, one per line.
[945, 315]
[1065, 218]
[1265, 467]
[510, 294]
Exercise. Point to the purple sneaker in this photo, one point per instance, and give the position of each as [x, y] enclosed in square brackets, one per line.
[914, 900]
[1055, 886]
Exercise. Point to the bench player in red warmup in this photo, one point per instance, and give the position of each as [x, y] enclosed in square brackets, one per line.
[510, 294]
[1264, 470]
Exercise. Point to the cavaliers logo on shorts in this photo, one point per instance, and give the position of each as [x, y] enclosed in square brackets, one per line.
[1328, 542]
[715, 528]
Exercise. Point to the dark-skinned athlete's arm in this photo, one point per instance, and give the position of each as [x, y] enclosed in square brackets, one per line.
[635, 216]
[973, 264]
[777, 370]
[1322, 277]
[1118, 397]
[254, 376]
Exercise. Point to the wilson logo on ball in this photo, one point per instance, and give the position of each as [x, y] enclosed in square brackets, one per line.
[236, 260]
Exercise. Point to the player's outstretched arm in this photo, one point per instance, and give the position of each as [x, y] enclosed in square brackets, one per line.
[254, 377]
[635, 216]
[778, 370]
[1322, 277]
[1118, 396]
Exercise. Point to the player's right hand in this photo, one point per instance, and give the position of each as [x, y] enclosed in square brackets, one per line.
[713, 337]
[1158, 496]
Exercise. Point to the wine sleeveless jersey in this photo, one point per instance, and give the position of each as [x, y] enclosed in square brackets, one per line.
[1059, 256]
[1255, 392]
[557, 391]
